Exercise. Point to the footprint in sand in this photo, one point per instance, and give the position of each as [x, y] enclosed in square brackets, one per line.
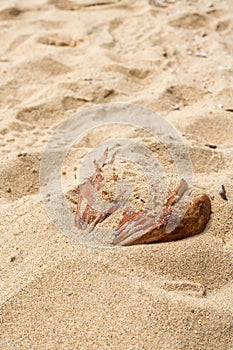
[20, 176]
[209, 130]
[182, 95]
[43, 68]
[11, 13]
[190, 21]
[44, 114]
[206, 160]
[223, 25]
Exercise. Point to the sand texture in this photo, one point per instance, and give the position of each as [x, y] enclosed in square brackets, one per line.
[58, 57]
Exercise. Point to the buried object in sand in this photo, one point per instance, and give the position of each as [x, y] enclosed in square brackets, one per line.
[174, 222]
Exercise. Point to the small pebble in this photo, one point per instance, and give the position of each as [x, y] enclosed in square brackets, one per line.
[229, 109]
[211, 146]
[223, 193]
[201, 54]
[176, 107]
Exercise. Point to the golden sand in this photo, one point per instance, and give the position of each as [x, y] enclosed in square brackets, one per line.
[58, 57]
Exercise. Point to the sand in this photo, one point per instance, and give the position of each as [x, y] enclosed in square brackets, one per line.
[58, 57]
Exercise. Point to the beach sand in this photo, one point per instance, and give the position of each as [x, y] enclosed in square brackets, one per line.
[58, 57]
